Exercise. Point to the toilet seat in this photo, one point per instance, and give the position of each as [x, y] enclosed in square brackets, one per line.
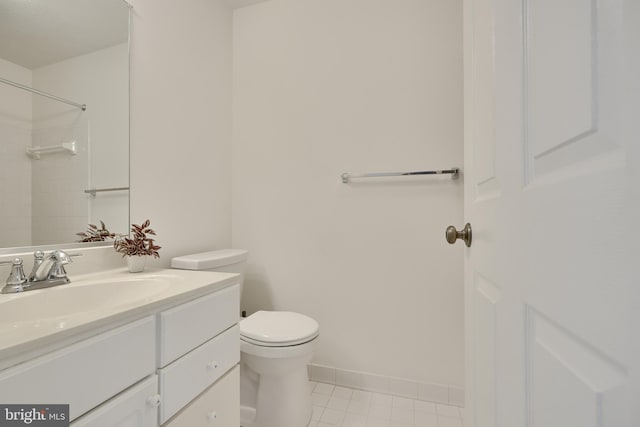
[278, 329]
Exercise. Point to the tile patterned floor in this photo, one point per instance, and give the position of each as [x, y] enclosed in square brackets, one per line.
[340, 406]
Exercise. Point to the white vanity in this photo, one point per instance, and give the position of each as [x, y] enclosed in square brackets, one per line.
[150, 349]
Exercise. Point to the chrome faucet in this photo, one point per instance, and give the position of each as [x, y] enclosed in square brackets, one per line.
[47, 271]
[50, 267]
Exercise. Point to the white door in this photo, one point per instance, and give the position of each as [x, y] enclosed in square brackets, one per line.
[552, 298]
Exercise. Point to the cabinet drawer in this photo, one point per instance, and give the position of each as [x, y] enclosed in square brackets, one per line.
[187, 377]
[185, 327]
[133, 407]
[87, 373]
[217, 406]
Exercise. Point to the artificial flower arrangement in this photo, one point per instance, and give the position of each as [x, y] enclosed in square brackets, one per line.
[136, 248]
[139, 244]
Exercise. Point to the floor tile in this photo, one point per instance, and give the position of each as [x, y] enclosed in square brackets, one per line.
[402, 402]
[402, 415]
[449, 422]
[322, 388]
[333, 417]
[360, 395]
[316, 412]
[448, 411]
[381, 399]
[358, 407]
[380, 411]
[377, 422]
[319, 399]
[338, 404]
[354, 420]
[342, 392]
[426, 419]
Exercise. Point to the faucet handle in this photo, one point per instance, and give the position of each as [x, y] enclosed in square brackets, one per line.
[16, 278]
[60, 257]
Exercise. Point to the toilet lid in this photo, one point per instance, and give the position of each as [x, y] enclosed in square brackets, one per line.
[278, 328]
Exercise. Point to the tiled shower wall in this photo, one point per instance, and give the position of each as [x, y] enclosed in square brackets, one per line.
[15, 191]
[15, 166]
[59, 203]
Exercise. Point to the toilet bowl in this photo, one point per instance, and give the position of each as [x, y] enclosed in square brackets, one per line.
[275, 349]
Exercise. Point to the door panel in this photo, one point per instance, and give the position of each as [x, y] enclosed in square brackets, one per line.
[559, 364]
[550, 152]
[570, 87]
[560, 69]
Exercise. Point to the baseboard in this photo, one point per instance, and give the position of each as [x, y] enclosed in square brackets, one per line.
[429, 392]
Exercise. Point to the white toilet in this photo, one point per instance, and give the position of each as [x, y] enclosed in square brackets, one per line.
[275, 348]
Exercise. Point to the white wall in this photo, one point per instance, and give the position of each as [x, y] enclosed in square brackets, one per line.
[181, 123]
[15, 166]
[323, 87]
[61, 208]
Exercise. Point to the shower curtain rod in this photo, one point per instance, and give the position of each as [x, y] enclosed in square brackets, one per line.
[41, 93]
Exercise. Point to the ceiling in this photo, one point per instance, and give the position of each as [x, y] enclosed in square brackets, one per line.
[35, 33]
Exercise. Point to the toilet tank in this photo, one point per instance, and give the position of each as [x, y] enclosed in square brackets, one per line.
[223, 260]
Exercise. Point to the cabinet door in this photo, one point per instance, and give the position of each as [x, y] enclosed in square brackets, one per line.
[136, 407]
[218, 406]
[187, 377]
[186, 326]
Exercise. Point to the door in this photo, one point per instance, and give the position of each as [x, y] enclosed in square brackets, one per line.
[551, 190]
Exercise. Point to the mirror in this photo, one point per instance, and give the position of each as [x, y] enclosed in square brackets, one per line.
[52, 152]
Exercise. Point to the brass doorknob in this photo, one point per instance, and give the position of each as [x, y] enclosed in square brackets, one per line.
[465, 234]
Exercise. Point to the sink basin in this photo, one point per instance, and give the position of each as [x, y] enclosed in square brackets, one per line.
[32, 320]
[54, 307]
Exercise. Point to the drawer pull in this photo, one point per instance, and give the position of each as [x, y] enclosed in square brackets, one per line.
[153, 401]
[212, 365]
[211, 416]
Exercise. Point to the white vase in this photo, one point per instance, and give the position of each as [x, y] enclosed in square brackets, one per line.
[136, 263]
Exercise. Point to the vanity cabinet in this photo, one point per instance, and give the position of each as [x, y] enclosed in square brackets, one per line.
[176, 366]
[199, 342]
[87, 373]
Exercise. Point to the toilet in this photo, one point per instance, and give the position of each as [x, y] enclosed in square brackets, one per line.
[275, 349]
